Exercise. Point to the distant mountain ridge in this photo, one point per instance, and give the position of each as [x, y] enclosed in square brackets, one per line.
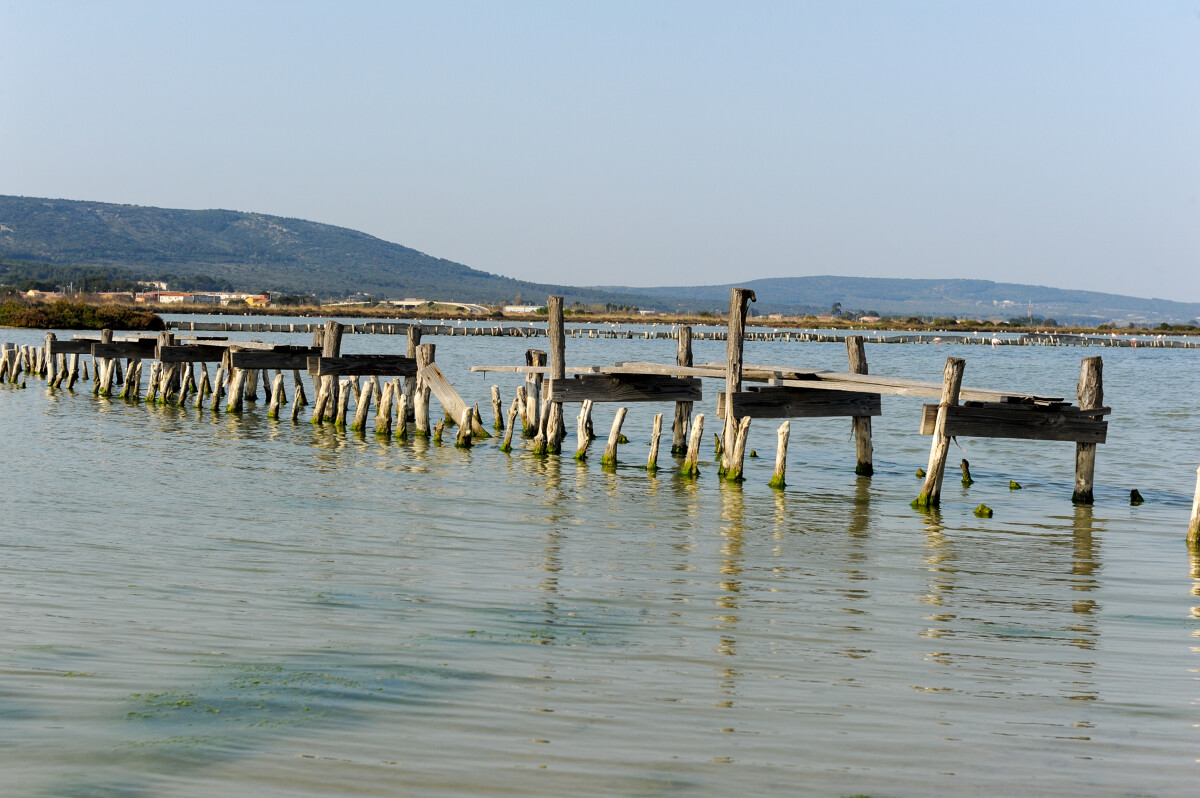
[932, 297]
[254, 251]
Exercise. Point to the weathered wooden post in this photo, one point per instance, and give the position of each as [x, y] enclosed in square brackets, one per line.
[496, 408]
[463, 439]
[1193, 537]
[860, 425]
[343, 403]
[420, 399]
[683, 410]
[513, 410]
[362, 406]
[734, 472]
[533, 392]
[739, 302]
[931, 490]
[402, 412]
[581, 429]
[691, 463]
[73, 371]
[276, 397]
[51, 374]
[1090, 393]
[298, 396]
[106, 337]
[237, 388]
[652, 460]
[777, 479]
[410, 383]
[558, 371]
[331, 346]
[383, 414]
[614, 436]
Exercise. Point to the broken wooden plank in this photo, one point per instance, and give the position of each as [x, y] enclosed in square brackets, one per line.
[452, 404]
[278, 357]
[789, 402]
[995, 420]
[363, 366]
[117, 349]
[626, 388]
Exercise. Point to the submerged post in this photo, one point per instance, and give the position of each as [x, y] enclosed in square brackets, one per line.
[1090, 394]
[739, 301]
[683, 410]
[861, 425]
[931, 491]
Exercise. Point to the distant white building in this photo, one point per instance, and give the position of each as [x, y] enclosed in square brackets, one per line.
[521, 308]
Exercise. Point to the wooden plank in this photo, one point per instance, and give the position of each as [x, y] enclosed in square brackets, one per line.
[76, 346]
[278, 357]
[784, 402]
[995, 420]
[626, 388]
[134, 349]
[192, 353]
[363, 366]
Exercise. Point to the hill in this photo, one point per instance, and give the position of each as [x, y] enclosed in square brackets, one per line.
[248, 251]
[61, 241]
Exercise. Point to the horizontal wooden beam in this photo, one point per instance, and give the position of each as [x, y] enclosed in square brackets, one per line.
[1027, 422]
[79, 346]
[783, 402]
[280, 357]
[363, 366]
[625, 388]
[131, 349]
[192, 353]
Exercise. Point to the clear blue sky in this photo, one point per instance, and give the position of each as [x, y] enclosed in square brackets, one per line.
[642, 143]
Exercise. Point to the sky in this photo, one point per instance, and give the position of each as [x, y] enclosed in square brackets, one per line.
[642, 143]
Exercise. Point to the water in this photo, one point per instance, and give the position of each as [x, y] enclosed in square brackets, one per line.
[201, 605]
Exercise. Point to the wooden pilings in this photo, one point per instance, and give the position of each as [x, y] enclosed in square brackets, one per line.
[1090, 393]
[652, 460]
[614, 436]
[410, 383]
[777, 478]
[860, 425]
[533, 392]
[551, 443]
[425, 355]
[931, 490]
[690, 467]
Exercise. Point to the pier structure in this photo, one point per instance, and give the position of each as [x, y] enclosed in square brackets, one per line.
[752, 391]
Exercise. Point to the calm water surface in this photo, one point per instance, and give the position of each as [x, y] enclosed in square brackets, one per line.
[198, 604]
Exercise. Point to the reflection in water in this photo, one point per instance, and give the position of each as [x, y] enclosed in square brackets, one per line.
[733, 531]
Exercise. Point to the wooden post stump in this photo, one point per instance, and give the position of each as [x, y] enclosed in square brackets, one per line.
[513, 410]
[276, 397]
[343, 403]
[1090, 393]
[558, 371]
[420, 399]
[733, 473]
[652, 460]
[298, 396]
[777, 478]
[691, 463]
[496, 408]
[610, 451]
[402, 413]
[861, 425]
[383, 412]
[581, 429]
[931, 490]
[463, 439]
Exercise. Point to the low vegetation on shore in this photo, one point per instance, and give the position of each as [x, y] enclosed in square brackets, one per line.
[68, 315]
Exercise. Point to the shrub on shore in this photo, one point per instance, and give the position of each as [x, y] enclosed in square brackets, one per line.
[66, 315]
